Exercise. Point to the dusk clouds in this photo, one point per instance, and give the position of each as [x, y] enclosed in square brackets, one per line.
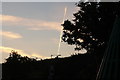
[33, 29]
[10, 35]
[30, 24]
[4, 49]
[7, 50]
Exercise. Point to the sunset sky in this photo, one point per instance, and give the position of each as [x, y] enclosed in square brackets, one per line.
[33, 28]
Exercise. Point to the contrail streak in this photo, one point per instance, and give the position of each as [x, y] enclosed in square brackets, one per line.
[65, 11]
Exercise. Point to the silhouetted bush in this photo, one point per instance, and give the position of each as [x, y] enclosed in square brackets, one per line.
[15, 58]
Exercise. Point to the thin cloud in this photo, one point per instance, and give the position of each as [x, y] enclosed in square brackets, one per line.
[31, 24]
[8, 50]
[10, 34]
[21, 52]
[39, 56]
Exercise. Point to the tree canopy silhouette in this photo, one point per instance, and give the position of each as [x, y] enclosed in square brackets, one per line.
[17, 58]
[92, 24]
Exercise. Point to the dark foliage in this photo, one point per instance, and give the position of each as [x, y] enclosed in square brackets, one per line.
[90, 29]
[75, 67]
[17, 58]
[91, 26]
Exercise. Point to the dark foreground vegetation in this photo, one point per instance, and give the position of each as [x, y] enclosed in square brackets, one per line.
[75, 67]
[93, 24]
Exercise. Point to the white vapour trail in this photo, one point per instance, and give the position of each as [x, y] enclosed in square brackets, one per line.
[65, 11]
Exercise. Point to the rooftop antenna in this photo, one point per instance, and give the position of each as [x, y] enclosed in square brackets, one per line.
[59, 45]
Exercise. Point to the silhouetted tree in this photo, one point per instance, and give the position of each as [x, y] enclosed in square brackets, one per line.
[17, 58]
[91, 26]
[14, 57]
